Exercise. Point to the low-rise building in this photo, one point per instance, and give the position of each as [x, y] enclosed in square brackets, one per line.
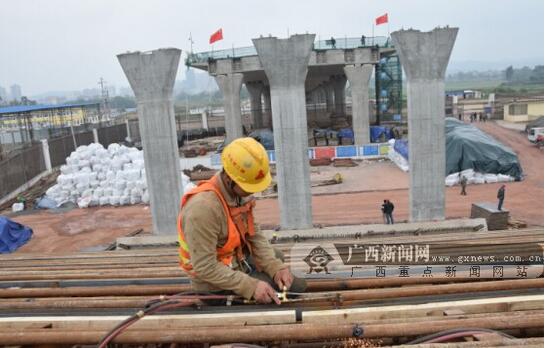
[523, 110]
[468, 102]
[48, 116]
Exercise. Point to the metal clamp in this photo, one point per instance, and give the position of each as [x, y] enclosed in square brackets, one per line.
[357, 331]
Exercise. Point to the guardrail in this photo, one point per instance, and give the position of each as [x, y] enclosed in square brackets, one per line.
[346, 151]
[336, 43]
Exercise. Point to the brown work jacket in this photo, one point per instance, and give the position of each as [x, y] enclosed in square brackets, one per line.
[205, 229]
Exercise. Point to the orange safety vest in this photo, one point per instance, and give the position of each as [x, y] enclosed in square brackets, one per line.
[237, 228]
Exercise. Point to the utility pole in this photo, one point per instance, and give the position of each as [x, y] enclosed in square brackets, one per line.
[191, 42]
[105, 98]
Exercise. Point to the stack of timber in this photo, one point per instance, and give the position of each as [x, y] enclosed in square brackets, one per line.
[77, 299]
[199, 172]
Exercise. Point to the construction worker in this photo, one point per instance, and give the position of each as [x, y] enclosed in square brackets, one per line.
[221, 246]
[501, 196]
[463, 183]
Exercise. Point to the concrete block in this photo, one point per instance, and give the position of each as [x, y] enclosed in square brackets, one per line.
[377, 230]
[496, 219]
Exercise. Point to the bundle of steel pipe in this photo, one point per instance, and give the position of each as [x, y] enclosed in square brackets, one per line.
[78, 298]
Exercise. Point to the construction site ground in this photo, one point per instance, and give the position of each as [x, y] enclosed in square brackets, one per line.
[356, 201]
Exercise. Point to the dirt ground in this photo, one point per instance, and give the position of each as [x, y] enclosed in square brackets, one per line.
[369, 184]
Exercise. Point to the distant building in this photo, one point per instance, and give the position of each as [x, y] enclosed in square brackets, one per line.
[523, 110]
[54, 100]
[465, 94]
[467, 102]
[195, 82]
[112, 91]
[126, 92]
[16, 93]
[189, 82]
[3, 95]
[91, 93]
[48, 116]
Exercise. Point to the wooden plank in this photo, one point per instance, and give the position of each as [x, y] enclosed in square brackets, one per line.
[151, 322]
[499, 304]
[257, 333]
[177, 321]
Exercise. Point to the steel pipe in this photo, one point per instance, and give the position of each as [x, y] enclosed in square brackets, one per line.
[265, 333]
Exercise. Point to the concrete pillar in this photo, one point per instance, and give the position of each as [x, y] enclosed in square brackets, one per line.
[95, 136]
[73, 137]
[230, 86]
[359, 76]
[424, 57]
[151, 76]
[255, 89]
[339, 85]
[128, 130]
[267, 119]
[204, 119]
[317, 96]
[328, 88]
[47, 156]
[321, 94]
[285, 63]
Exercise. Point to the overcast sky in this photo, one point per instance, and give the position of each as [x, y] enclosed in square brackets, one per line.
[49, 45]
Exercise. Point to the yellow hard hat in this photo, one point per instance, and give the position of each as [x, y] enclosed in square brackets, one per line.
[246, 162]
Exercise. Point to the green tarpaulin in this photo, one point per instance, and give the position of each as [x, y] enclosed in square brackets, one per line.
[470, 148]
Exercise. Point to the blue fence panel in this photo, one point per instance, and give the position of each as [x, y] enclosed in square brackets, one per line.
[370, 150]
[346, 151]
[272, 155]
[402, 147]
[216, 159]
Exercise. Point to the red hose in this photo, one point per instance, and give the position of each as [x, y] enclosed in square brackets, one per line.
[164, 302]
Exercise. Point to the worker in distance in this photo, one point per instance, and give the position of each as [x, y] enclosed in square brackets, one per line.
[221, 246]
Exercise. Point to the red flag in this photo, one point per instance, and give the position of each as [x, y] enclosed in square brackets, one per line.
[218, 35]
[382, 19]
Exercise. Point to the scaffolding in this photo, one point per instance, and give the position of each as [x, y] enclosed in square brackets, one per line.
[388, 89]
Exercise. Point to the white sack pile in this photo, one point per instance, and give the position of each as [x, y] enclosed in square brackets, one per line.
[95, 176]
[474, 177]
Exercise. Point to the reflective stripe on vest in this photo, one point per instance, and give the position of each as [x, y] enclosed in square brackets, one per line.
[237, 228]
